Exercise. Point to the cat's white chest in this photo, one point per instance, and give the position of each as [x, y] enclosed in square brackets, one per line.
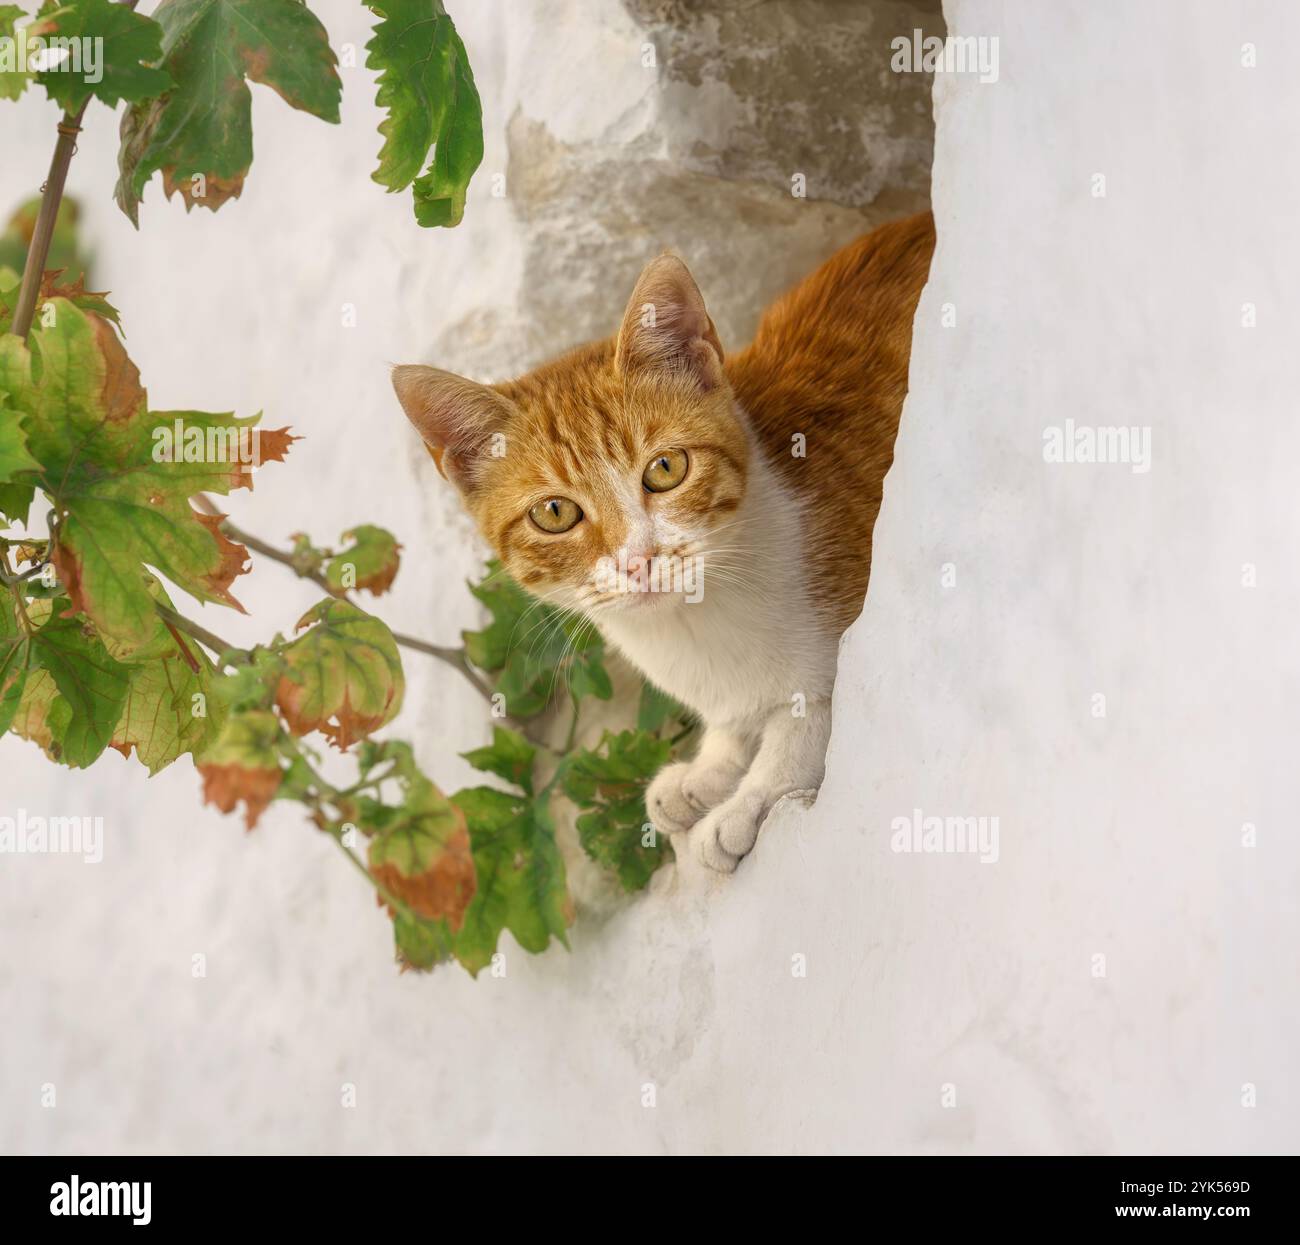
[732, 661]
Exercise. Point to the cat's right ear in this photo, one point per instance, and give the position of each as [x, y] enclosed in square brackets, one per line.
[666, 328]
[458, 418]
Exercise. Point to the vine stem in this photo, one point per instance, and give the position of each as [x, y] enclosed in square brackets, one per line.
[12, 583]
[326, 792]
[43, 234]
[51, 200]
[208, 639]
[452, 656]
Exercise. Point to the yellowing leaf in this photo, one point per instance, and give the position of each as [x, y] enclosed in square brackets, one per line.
[369, 562]
[161, 719]
[15, 660]
[243, 764]
[343, 677]
[121, 502]
[420, 855]
[40, 714]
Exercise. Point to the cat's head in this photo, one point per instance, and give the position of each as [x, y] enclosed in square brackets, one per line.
[606, 479]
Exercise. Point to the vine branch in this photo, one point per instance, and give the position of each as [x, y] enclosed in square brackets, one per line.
[51, 200]
[214, 643]
[43, 234]
[452, 656]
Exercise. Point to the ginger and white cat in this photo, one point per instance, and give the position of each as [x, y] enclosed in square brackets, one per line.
[761, 470]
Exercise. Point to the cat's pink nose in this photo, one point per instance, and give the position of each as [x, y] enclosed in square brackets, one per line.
[638, 569]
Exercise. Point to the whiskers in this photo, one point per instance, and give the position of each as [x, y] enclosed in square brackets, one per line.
[546, 621]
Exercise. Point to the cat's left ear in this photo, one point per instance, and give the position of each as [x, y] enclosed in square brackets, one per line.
[667, 329]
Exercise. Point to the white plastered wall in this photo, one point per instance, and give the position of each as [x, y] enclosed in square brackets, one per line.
[1118, 836]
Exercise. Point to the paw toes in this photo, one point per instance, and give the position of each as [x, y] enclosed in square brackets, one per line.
[707, 789]
[710, 852]
[737, 828]
[667, 808]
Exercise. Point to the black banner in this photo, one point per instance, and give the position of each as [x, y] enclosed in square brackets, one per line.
[141, 1194]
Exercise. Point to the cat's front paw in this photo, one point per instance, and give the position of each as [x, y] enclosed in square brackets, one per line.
[666, 805]
[723, 836]
[683, 792]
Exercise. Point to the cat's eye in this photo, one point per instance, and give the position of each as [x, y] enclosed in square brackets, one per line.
[555, 515]
[666, 471]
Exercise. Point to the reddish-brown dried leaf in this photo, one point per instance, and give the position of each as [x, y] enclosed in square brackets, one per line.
[234, 560]
[226, 785]
[442, 892]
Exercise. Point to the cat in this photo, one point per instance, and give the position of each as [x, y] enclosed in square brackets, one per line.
[608, 470]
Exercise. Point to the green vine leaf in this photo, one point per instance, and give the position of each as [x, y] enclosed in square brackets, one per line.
[656, 707]
[200, 133]
[507, 603]
[170, 708]
[586, 662]
[83, 699]
[421, 944]
[343, 677]
[533, 649]
[15, 658]
[427, 89]
[521, 882]
[14, 454]
[509, 755]
[120, 503]
[128, 45]
[370, 562]
[66, 253]
[41, 715]
[92, 683]
[609, 783]
[13, 76]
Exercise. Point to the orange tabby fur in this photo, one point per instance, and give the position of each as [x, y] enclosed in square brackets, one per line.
[830, 360]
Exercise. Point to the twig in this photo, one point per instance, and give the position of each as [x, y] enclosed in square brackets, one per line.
[189, 658]
[51, 200]
[452, 656]
[11, 582]
[326, 792]
[215, 643]
[43, 234]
